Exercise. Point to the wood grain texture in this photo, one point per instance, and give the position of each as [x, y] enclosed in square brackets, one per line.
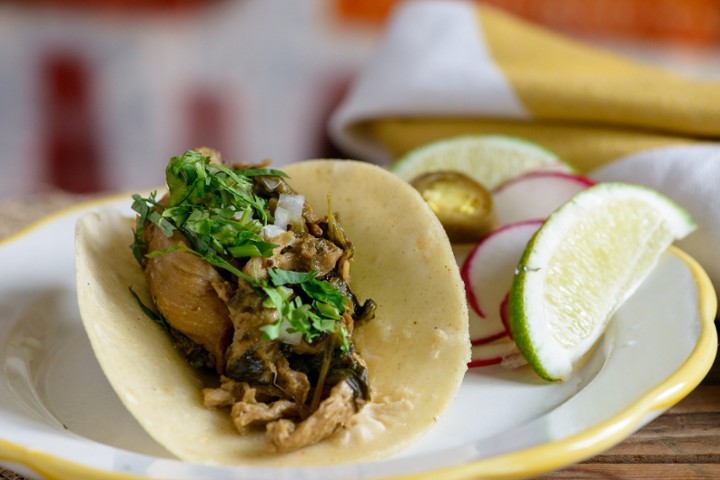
[682, 444]
[645, 471]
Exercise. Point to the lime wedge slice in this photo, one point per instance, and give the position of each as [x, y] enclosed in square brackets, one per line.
[586, 259]
[487, 159]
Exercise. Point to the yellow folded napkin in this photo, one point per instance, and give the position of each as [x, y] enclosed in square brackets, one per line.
[447, 68]
[452, 67]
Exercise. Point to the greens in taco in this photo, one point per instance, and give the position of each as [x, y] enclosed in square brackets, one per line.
[237, 333]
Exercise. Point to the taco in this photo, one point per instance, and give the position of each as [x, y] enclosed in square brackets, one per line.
[236, 331]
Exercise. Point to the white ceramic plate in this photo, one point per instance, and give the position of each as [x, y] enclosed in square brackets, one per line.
[59, 417]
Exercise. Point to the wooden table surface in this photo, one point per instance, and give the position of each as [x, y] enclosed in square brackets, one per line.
[682, 444]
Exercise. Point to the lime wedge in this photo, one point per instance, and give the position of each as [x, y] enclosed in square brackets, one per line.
[586, 259]
[487, 159]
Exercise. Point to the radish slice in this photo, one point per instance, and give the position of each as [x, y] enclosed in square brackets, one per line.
[535, 195]
[488, 273]
[502, 352]
[505, 315]
[481, 331]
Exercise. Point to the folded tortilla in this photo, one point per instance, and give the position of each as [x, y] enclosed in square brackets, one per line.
[416, 348]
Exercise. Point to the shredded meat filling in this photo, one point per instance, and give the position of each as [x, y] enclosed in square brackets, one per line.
[299, 392]
[333, 413]
[309, 254]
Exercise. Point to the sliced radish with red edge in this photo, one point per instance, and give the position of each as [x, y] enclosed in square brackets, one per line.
[535, 195]
[488, 273]
[502, 352]
[481, 331]
[505, 315]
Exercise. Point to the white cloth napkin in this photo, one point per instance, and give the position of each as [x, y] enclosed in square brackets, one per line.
[433, 62]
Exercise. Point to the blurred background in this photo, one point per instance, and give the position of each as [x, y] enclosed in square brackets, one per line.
[96, 95]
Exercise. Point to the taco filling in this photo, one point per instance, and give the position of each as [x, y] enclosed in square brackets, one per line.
[252, 284]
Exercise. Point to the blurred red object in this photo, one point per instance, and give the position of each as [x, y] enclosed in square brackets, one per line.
[209, 122]
[679, 21]
[124, 5]
[71, 151]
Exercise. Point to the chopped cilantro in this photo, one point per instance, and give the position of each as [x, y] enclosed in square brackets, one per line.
[212, 206]
[215, 208]
[319, 316]
[252, 172]
[288, 277]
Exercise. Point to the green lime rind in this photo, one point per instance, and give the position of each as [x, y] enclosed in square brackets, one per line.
[517, 317]
[527, 313]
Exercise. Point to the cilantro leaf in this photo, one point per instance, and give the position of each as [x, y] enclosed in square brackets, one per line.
[185, 176]
[320, 315]
[146, 212]
[213, 206]
[138, 246]
[271, 330]
[324, 292]
[289, 277]
[252, 172]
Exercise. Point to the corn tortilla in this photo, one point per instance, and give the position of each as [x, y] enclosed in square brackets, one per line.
[416, 348]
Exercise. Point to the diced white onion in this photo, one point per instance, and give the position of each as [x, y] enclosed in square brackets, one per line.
[271, 231]
[286, 337]
[282, 217]
[293, 204]
[270, 182]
